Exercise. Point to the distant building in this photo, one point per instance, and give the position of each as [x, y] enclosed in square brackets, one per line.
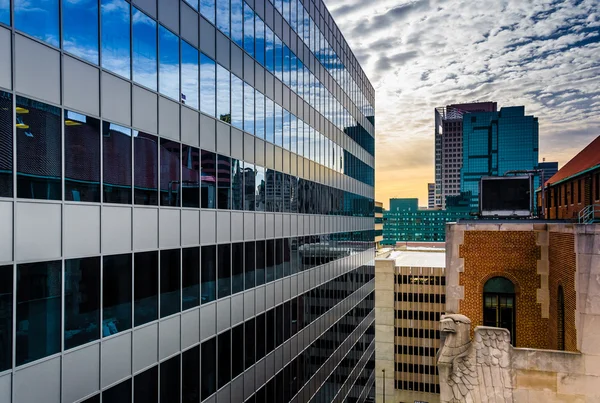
[494, 143]
[575, 187]
[407, 342]
[550, 169]
[431, 195]
[449, 146]
[378, 224]
[405, 222]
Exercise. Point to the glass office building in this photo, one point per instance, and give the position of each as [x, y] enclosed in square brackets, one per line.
[186, 203]
[495, 143]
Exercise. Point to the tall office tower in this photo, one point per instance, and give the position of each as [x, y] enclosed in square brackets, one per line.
[408, 340]
[448, 147]
[431, 195]
[186, 204]
[495, 143]
[550, 169]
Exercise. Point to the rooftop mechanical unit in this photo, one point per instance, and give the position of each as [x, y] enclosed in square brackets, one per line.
[506, 196]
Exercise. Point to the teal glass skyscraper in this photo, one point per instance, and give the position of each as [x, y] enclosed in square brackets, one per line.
[494, 143]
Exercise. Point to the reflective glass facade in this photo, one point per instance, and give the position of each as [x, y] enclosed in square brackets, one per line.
[186, 199]
[495, 143]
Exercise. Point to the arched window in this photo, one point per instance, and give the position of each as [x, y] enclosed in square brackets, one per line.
[560, 333]
[499, 305]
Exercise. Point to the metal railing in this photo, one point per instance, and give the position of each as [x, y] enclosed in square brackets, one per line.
[589, 214]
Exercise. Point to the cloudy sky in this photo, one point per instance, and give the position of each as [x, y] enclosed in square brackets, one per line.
[420, 54]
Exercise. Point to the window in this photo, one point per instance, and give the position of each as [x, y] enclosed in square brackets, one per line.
[170, 163]
[278, 125]
[223, 17]
[270, 260]
[82, 158]
[80, 29]
[5, 12]
[116, 294]
[82, 301]
[6, 144]
[237, 350]
[269, 49]
[560, 319]
[237, 102]
[237, 267]
[145, 306]
[249, 186]
[260, 262]
[224, 354]
[38, 150]
[224, 270]
[259, 122]
[6, 315]
[116, 143]
[237, 185]
[260, 337]
[209, 180]
[224, 95]
[209, 365]
[259, 29]
[190, 271]
[224, 182]
[190, 373]
[169, 380]
[116, 37]
[189, 75]
[207, 8]
[120, 393]
[144, 50]
[170, 287]
[499, 305]
[249, 265]
[39, 20]
[145, 173]
[248, 108]
[145, 386]
[168, 69]
[269, 120]
[260, 189]
[38, 311]
[248, 30]
[236, 22]
[190, 173]
[209, 273]
[207, 85]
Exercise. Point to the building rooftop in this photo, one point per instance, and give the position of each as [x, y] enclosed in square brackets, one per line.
[587, 158]
[418, 258]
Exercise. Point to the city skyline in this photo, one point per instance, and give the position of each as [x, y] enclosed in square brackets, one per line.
[545, 58]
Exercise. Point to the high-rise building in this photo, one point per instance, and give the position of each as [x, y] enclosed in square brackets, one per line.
[495, 143]
[449, 147]
[407, 340]
[431, 195]
[550, 169]
[186, 204]
[378, 224]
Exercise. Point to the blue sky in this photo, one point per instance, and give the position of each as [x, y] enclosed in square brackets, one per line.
[427, 53]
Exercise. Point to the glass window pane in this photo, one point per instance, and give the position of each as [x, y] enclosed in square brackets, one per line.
[269, 49]
[260, 188]
[82, 301]
[237, 350]
[145, 386]
[259, 106]
[209, 365]
[170, 371]
[260, 336]
[248, 108]
[38, 19]
[82, 158]
[6, 315]
[278, 58]
[116, 294]
[189, 75]
[38, 150]
[144, 49]
[209, 273]
[269, 120]
[260, 262]
[190, 271]
[207, 85]
[145, 306]
[237, 184]
[115, 37]
[259, 32]
[80, 29]
[5, 12]
[207, 9]
[237, 267]
[169, 173]
[224, 354]
[249, 265]
[116, 143]
[38, 310]
[286, 65]
[190, 175]
[237, 102]
[223, 16]
[120, 393]
[286, 129]
[170, 282]
[223, 107]
[248, 29]
[168, 69]
[190, 372]
[270, 260]
[278, 125]
[209, 179]
[6, 144]
[249, 343]
[145, 173]
[224, 182]
[249, 186]
[224, 269]
[236, 22]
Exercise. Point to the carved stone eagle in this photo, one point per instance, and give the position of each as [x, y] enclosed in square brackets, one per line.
[474, 371]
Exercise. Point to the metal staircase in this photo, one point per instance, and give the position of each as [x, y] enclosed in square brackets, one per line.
[589, 214]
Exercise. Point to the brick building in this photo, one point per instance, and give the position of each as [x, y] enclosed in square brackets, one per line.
[575, 186]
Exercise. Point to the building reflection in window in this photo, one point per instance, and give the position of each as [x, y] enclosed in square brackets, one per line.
[116, 159]
[208, 179]
[116, 294]
[82, 158]
[169, 173]
[223, 182]
[6, 145]
[224, 112]
[145, 173]
[190, 176]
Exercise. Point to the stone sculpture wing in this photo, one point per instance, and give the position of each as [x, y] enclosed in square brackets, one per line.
[463, 380]
[492, 349]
